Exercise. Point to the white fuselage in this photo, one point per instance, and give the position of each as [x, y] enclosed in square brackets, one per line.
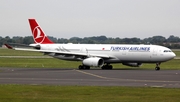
[117, 53]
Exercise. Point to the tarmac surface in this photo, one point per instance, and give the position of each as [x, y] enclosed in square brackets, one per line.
[49, 76]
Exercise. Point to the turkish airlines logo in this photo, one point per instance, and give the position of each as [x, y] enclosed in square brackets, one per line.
[38, 35]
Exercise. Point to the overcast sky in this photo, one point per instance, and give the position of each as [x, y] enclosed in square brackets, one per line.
[87, 18]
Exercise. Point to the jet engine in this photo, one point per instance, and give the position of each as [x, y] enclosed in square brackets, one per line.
[132, 64]
[35, 46]
[42, 46]
[93, 61]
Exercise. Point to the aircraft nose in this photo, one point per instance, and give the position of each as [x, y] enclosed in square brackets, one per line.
[173, 55]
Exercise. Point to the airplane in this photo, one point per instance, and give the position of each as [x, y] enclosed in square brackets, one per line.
[98, 55]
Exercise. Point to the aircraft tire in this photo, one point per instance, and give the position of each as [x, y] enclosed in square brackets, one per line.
[87, 67]
[83, 67]
[80, 67]
[106, 67]
[110, 67]
[157, 68]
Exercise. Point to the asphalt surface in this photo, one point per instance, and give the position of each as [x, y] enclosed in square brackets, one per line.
[145, 78]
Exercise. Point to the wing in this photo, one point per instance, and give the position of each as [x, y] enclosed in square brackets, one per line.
[62, 52]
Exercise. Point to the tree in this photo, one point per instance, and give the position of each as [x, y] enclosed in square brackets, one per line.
[173, 39]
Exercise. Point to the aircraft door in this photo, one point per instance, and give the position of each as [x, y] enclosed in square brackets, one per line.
[155, 52]
[84, 50]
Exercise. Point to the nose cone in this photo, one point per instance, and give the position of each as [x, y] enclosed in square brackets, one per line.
[169, 56]
[173, 55]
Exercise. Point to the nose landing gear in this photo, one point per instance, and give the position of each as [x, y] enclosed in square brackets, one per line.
[157, 66]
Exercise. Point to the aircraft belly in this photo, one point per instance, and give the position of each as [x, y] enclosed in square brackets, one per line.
[67, 57]
[135, 57]
[159, 59]
[112, 61]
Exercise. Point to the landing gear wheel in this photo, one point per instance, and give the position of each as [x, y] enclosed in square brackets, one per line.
[83, 67]
[87, 67]
[157, 68]
[80, 67]
[107, 67]
[110, 67]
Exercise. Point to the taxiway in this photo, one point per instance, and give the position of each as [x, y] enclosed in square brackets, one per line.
[145, 78]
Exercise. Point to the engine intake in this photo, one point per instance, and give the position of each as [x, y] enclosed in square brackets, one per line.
[93, 62]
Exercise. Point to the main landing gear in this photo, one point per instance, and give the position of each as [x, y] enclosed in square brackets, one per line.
[157, 66]
[84, 67]
[107, 66]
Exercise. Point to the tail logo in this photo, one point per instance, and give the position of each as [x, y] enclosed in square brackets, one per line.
[38, 35]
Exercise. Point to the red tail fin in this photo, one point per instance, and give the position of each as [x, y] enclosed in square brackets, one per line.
[38, 34]
[8, 46]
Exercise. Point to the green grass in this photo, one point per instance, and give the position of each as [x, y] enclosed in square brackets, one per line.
[9, 52]
[37, 63]
[177, 52]
[56, 63]
[45, 93]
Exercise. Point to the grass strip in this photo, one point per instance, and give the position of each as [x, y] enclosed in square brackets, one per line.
[56, 63]
[9, 52]
[45, 93]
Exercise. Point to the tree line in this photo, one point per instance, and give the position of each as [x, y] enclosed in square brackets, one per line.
[172, 42]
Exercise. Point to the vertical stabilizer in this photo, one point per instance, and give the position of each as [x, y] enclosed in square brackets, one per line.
[38, 34]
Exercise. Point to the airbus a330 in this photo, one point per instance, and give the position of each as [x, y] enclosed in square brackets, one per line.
[98, 55]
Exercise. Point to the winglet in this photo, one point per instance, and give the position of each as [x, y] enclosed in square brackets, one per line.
[38, 34]
[8, 46]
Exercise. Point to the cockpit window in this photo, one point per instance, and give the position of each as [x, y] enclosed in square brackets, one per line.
[167, 51]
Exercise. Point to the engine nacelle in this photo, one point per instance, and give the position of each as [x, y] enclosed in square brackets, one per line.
[35, 46]
[93, 62]
[132, 64]
[43, 46]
